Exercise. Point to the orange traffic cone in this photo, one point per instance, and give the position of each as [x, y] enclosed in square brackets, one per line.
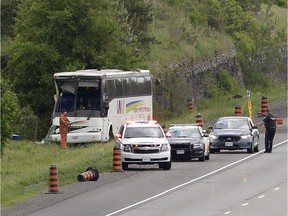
[53, 180]
[117, 162]
[199, 120]
[264, 106]
[238, 110]
[90, 174]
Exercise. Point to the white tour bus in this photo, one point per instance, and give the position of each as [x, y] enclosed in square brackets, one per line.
[98, 102]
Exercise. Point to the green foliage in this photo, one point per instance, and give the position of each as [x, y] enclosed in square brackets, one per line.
[25, 166]
[253, 28]
[53, 36]
[281, 3]
[71, 35]
[179, 40]
[260, 51]
[30, 69]
[228, 83]
[26, 124]
[9, 110]
[211, 87]
[174, 89]
[138, 14]
[8, 14]
[82, 32]
[222, 84]
[213, 108]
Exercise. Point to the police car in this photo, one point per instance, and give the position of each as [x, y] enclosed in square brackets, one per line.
[188, 141]
[143, 142]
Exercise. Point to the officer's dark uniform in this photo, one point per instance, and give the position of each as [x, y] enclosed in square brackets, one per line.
[270, 125]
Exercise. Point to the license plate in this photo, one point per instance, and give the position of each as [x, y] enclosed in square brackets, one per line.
[228, 143]
[146, 159]
[181, 151]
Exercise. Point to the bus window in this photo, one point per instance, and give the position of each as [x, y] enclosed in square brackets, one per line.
[119, 87]
[134, 86]
[141, 85]
[126, 87]
[67, 100]
[88, 98]
[148, 85]
[93, 103]
[81, 105]
[111, 89]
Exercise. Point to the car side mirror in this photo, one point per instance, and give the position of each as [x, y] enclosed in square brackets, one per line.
[210, 127]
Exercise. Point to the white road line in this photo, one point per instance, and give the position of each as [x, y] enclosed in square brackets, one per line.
[191, 181]
[260, 197]
[245, 204]
[228, 212]
[277, 188]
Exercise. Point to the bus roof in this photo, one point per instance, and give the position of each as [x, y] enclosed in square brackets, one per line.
[100, 73]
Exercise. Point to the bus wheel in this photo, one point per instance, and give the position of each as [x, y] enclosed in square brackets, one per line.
[111, 135]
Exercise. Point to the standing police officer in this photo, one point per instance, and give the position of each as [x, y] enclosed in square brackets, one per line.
[270, 125]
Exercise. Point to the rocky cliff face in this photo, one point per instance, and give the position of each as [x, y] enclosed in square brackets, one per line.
[198, 72]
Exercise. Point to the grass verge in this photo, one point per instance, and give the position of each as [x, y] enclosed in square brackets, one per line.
[25, 166]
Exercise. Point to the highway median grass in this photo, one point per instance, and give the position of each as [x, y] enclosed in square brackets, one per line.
[25, 164]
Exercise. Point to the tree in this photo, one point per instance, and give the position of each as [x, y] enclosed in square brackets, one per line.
[9, 109]
[53, 36]
[174, 89]
[8, 14]
[136, 17]
[85, 33]
[260, 51]
[30, 68]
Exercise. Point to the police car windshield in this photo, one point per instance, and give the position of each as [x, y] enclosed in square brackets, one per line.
[138, 132]
[232, 124]
[184, 132]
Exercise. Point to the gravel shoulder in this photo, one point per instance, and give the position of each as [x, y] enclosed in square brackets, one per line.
[44, 199]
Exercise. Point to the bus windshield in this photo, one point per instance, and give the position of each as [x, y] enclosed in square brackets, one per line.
[78, 96]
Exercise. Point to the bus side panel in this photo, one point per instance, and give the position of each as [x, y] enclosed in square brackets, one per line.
[122, 110]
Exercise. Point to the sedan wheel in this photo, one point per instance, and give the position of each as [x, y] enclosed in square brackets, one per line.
[202, 158]
[165, 165]
[251, 150]
[212, 151]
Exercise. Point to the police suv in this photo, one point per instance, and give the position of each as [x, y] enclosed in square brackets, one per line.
[143, 142]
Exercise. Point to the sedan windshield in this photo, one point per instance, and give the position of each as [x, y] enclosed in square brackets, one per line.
[184, 132]
[231, 124]
[136, 132]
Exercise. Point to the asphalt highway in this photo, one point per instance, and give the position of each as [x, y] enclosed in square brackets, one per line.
[230, 183]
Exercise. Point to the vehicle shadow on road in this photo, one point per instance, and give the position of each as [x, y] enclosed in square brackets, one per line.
[144, 168]
[231, 152]
[186, 160]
